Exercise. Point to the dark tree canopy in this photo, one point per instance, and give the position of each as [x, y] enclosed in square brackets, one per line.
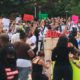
[52, 7]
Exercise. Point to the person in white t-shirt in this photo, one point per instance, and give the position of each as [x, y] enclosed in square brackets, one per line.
[15, 37]
[42, 33]
[73, 25]
[31, 40]
[18, 19]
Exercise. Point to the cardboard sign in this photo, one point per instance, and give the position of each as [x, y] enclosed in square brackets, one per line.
[28, 17]
[75, 19]
[43, 16]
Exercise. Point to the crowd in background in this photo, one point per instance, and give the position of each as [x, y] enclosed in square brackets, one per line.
[24, 39]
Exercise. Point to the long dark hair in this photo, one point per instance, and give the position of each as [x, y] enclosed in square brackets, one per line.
[62, 42]
[72, 34]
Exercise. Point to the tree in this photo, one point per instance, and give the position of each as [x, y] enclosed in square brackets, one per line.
[52, 7]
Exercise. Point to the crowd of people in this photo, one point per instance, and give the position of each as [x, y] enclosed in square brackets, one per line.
[22, 49]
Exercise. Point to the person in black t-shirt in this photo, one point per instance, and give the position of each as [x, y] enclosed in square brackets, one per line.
[7, 55]
[72, 37]
[37, 67]
[60, 54]
[2, 72]
[24, 57]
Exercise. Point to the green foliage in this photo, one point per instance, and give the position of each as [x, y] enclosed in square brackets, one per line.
[52, 7]
[75, 7]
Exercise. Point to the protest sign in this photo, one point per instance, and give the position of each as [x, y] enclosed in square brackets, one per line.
[52, 34]
[28, 17]
[75, 19]
[43, 16]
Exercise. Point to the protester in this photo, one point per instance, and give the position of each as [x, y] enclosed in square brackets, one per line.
[24, 57]
[16, 36]
[18, 19]
[72, 37]
[42, 33]
[31, 40]
[37, 67]
[60, 54]
[8, 56]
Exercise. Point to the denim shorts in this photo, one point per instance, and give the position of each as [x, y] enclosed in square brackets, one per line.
[24, 72]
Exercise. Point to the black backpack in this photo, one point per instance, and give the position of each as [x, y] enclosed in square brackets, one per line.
[9, 55]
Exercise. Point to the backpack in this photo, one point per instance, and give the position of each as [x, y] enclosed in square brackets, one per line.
[9, 55]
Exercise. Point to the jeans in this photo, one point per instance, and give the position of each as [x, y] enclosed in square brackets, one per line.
[23, 73]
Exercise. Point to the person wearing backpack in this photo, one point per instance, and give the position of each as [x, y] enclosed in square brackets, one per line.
[8, 57]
